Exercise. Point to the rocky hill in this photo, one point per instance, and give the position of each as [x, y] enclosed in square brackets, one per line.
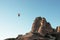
[41, 30]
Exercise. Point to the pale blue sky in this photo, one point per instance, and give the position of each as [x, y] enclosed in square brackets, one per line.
[11, 25]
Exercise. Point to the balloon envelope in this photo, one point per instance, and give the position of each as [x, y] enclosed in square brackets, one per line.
[18, 14]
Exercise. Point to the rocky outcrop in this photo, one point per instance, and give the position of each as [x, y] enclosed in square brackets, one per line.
[36, 24]
[58, 29]
[41, 30]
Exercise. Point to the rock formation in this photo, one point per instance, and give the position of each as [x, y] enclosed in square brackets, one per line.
[41, 30]
[58, 29]
[36, 24]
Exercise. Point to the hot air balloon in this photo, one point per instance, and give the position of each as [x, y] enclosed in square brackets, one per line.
[18, 14]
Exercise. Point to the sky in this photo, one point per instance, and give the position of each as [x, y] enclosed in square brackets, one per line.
[11, 25]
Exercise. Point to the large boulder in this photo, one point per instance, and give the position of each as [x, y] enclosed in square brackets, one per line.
[58, 29]
[42, 29]
[45, 27]
[36, 24]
